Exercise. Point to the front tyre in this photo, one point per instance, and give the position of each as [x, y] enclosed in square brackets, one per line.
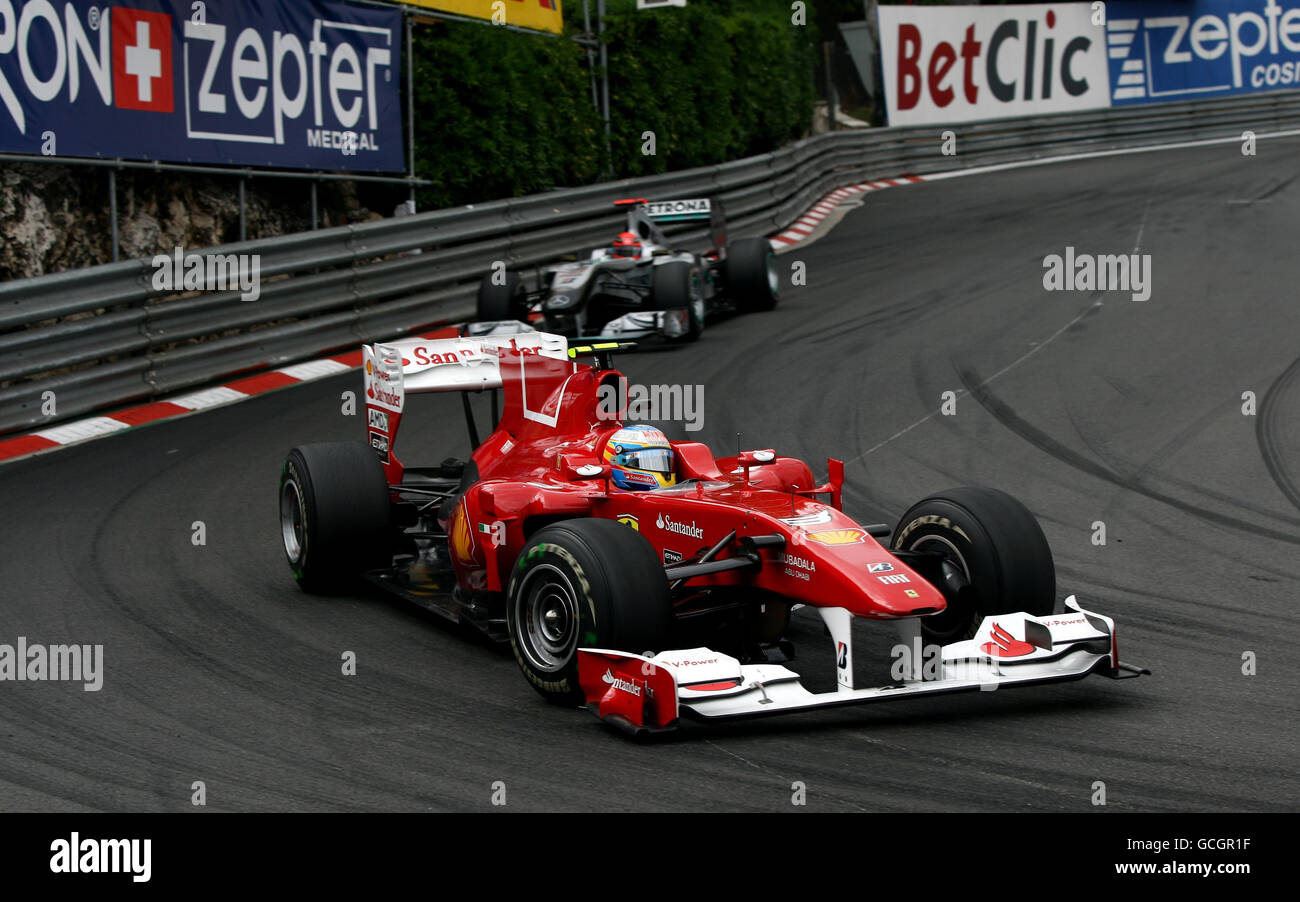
[752, 280]
[335, 520]
[997, 545]
[583, 582]
[677, 285]
[501, 297]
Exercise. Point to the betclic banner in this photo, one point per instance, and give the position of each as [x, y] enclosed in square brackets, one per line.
[962, 63]
[301, 84]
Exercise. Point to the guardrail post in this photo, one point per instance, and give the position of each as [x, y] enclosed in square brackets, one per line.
[604, 88]
[831, 100]
[410, 103]
[591, 56]
[112, 212]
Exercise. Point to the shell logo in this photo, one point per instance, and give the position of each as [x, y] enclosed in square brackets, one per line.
[838, 536]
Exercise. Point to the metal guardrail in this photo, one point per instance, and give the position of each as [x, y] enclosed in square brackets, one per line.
[103, 336]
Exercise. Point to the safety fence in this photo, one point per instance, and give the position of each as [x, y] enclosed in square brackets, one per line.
[105, 336]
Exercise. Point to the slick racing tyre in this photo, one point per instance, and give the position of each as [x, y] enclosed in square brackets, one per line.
[998, 546]
[752, 280]
[584, 582]
[334, 514]
[505, 301]
[677, 285]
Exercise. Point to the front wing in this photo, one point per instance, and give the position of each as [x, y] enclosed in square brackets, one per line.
[644, 323]
[647, 694]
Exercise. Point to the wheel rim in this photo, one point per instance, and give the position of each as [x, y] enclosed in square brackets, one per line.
[949, 551]
[546, 618]
[292, 521]
[941, 622]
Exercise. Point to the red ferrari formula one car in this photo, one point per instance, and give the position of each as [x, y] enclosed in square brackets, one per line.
[650, 579]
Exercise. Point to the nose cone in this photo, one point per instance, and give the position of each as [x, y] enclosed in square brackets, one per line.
[871, 582]
[846, 567]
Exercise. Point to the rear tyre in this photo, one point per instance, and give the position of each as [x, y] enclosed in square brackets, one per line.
[996, 543]
[583, 582]
[752, 279]
[678, 285]
[335, 518]
[505, 301]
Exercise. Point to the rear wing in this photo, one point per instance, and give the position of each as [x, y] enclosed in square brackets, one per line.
[698, 209]
[679, 210]
[462, 364]
[448, 364]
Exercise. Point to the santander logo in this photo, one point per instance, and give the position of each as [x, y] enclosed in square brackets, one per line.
[1004, 645]
[383, 396]
[629, 686]
[667, 524]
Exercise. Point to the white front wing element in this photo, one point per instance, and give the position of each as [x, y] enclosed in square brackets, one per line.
[1007, 650]
[641, 323]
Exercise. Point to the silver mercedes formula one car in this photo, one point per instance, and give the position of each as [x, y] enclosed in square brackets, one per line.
[639, 286]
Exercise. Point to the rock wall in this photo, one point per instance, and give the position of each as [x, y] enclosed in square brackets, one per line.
[55, 218]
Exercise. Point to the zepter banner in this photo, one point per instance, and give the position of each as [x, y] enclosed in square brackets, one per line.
[304, 84]
[1171, 50]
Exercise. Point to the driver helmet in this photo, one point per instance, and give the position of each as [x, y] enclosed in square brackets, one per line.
[626, 245]
[640, 458]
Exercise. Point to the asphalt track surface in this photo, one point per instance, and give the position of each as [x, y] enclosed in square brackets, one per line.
[1087, 405]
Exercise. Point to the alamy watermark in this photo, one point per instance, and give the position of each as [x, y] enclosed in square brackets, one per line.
[657, 403]
[179, 271]
[75, 855]
[910, 661]
[1098, 272]
[29, 661]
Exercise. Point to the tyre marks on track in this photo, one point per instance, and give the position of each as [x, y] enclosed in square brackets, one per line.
[978, 388]
[1267, 428]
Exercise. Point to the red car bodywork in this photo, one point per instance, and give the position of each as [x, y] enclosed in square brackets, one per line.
[552, 430]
